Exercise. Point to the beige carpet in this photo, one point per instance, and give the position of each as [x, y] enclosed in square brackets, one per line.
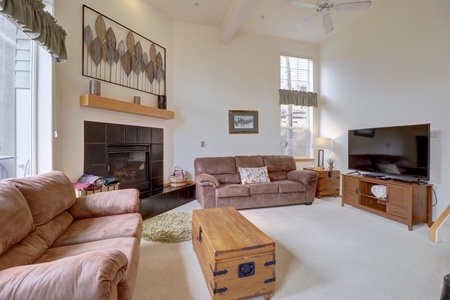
[324, 251]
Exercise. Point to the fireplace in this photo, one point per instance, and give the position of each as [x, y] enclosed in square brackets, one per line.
[129, 164]
[131, 154]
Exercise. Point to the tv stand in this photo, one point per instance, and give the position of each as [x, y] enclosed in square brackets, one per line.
[406, 202]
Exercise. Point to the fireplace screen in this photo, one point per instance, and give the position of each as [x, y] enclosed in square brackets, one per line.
[129, 164]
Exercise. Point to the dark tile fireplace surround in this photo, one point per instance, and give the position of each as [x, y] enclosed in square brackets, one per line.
[132, 154]
[135, 156]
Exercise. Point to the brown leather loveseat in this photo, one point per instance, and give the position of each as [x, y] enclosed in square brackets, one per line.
[56, 246]
[219, 182]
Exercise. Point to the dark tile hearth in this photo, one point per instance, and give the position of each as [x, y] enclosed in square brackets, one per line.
[165, 199]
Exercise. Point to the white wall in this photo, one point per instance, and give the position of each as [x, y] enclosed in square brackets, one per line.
[212, 78]
[142, 18]
[205, 80]
[391, 68]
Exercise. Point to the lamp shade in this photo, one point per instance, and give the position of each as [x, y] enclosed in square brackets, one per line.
[321, 143]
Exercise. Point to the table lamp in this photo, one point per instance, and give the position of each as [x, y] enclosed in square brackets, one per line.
[321, 144]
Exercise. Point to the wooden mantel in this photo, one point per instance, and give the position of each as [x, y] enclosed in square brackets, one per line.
[95, 101]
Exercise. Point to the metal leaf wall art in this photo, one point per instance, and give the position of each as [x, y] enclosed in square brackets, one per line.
[116, 54]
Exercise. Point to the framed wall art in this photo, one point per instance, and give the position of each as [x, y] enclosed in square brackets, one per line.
[243, 121]
[116, 54]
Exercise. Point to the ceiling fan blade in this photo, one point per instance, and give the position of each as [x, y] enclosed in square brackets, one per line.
[304, 21]
[303, 4]
[327, 23]
[353, 5]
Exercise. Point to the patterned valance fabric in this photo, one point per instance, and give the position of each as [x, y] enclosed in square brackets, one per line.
[39, 25]
[298, 98]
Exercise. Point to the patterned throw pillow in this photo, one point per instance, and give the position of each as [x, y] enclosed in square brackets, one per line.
[254, 175]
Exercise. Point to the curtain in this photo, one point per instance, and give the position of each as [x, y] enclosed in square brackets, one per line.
[298, 98]
[39, 25]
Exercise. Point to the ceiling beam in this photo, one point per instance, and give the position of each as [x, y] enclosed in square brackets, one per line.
[236, 14]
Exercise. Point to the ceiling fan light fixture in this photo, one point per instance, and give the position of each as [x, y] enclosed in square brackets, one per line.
[324, 7]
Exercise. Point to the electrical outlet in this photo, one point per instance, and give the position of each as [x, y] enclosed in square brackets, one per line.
[202, 144]
[434, 134]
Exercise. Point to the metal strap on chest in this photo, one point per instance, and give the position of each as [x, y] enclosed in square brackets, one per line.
[222, 290]
[269, 263]
[217, 273]
[269, 280]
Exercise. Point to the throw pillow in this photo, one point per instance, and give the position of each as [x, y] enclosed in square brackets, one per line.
[388, 168]
[254, 175]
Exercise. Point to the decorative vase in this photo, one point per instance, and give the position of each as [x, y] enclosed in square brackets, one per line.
[94, 87]
[330, 168]
[162, 104]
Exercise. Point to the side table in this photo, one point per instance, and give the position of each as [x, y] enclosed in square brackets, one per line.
[329, 182]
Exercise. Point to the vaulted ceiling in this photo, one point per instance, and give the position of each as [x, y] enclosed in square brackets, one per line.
[265, 17]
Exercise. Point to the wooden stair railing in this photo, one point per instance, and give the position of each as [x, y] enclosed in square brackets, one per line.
[438, 228]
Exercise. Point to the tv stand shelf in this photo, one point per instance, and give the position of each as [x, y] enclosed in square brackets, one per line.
[406, 202]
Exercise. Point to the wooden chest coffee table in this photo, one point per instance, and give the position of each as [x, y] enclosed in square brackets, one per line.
[237, 259]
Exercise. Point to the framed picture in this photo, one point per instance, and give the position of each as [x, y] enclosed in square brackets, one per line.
[116, 54]
[243, 121]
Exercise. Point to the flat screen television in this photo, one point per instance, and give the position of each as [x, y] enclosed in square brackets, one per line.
[397, 152]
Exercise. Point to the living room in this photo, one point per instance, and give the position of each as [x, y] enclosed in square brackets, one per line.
[388, 64]
[390, 67]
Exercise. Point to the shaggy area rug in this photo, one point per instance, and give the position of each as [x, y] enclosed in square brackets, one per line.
[168, 228]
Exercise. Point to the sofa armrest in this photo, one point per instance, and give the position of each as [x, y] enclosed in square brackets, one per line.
[106, 204]
[92, 275]
[303, 176]
[204, 179]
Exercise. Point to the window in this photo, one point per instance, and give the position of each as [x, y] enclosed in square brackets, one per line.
[296, 121]
[26, 111]
[16, 52]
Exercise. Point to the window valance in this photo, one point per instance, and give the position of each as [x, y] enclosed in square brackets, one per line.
[298, 98]
[39, 25]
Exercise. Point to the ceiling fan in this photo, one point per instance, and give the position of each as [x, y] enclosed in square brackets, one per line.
[324, 7]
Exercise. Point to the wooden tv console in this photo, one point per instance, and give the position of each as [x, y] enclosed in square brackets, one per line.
[406, 202]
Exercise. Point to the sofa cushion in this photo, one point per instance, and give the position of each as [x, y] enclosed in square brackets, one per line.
[228, 178]
[279, 165]
[287, 186]
[223, 168]
[16, 221]
[215, 165]
[100, 228]
[254, 175]
[36, 243]
[276, 163]
[251, 161]
[232, 190]
[263, 188]
[47, 194]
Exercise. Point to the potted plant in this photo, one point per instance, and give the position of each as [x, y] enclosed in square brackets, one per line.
[330, 162]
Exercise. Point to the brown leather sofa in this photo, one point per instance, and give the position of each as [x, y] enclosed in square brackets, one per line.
[56, 246]
[218, 182]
